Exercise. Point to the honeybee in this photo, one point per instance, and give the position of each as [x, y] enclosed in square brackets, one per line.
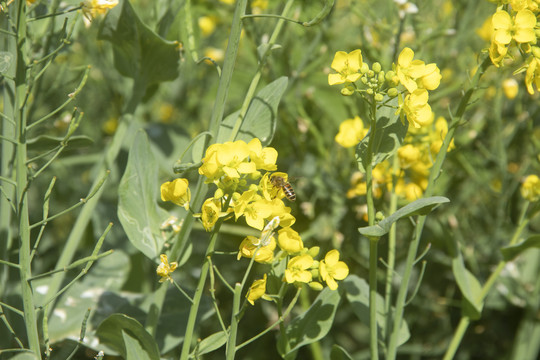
[287, 188]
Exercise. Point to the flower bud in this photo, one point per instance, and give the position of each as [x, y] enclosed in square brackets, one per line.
[510, 88]
[369, 91]
[314, 251]
[392, 92]
[379, 97]
[536, 51]
[364, 69]
[315, 273]
[218, 194]
[370, 73]
[376, 67]
[364, 80]
[379, 216]
[315, 286]
[380, 77]
[347, 90]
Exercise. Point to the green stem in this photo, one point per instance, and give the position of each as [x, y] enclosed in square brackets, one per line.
[465, 320]
[434, 173]
[25, 266]
[231, 343]
[190, 327]
[373, 241]
[257, 77]
[391, 261]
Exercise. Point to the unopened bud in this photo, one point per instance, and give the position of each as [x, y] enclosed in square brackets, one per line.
[392, 92]
[379, 97]
[314, 251]
[376, 67]
[364, 68]
[315, 286]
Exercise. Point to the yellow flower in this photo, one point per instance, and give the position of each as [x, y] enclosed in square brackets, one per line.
[264, 158]
[414, 74]
[210, 213]
[290, 241]
[532, 75]
[92, 8]
[263, 253]
[331, 269]
[408, 154]
[530, 189]
[510, 88]
[351, 132]
[520, 28]
[486, 31]
[207, 24]
[297, 269]
[497, 53]
[257, 290]
[417, 109]
[347, 67]
[165, 269]
[176, 191]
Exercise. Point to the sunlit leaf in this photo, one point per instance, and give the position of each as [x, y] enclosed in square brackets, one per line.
[417, 207]
[138, 211]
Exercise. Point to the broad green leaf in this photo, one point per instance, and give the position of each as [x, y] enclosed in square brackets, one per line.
[510, 252]
[315, 323]
[210, 343]
[339, 353]
[260, 121]
[470, 289]
[139, 53]
[389, 135]
[261, 117]
[107, 275]
[133, 348]
[418, 207]
[138, 211]
[113, 330]
[357, 291]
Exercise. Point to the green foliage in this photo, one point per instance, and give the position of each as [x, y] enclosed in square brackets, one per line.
[128, 337]
[510, 252]
[137, 209]
[139, 53]
[417, 207]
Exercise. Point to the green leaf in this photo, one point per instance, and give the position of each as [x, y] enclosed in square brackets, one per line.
[313, 324]
[261, 117]
[418, 207]
[128, 337]
[357, 291]
[470, 289]
[138, 211]
[139, 53]
[389, 135]
[339, 353]
[210, 343]
[510, 252]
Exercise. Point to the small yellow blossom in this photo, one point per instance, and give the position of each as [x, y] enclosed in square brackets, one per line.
[331, 269]
[92, 8]
[165, 269]
[414, 74]
[347, 67]
[207, 24]
[530, 189]
[252, 246]
[520, 27]
[257, 290]
[290, 241]
[532, 75]
[264, 158]
[510, 88]
[210, 213]
[408, 154]
[351, 132]
[176, 191]
[417, 109]
[297, 269]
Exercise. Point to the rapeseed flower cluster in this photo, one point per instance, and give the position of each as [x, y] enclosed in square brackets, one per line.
[416, 156]
[514, 26]
[530, 188]
[244, 176]
[415, 77]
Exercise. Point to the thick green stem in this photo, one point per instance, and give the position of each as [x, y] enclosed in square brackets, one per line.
[231, 344]
[373, 242]
[434, 173]
[25, 266]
